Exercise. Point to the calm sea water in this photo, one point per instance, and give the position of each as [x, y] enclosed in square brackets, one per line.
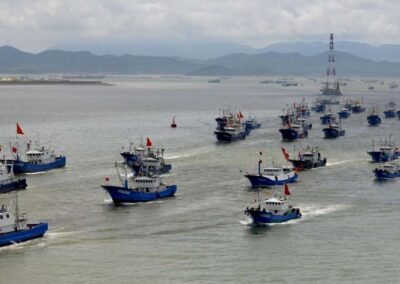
[349, 232]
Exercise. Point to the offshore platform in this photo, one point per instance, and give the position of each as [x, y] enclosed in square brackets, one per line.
[332, 86]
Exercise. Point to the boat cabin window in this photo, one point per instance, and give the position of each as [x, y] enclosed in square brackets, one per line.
[8, 216]
[1, 216]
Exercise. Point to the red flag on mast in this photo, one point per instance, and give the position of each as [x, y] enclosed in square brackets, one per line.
[287, 192]
[148, 142]
[285, 154]
[19, 130]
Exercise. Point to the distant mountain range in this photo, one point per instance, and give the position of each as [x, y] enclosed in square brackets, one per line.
[269, 63]
[206, 49]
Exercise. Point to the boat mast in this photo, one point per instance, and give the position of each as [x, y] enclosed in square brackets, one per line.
[15, 197]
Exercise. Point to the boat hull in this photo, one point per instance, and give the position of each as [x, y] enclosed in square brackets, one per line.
[229, 137]
[290, 134]
[14, 185]
[261, 217]
[126, 195]
[358, 109]
[306, 165]
[34, 231]
[21, 167]
[374, 120]
[343, 114]
[130, 158]
[259, 181]
[382, 174]
[390, 113]
[378, 156]
[326, 119]
[320, 108]
[250, 125]
[333, 133]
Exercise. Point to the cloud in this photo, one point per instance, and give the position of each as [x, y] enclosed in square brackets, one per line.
[36, 25]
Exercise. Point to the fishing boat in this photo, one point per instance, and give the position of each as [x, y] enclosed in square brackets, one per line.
[390, 110]
[357, 107]
[230, 127]
[302, 109]
[40, 159]
[349, 104]
[327, 118]
[36, 158]
[333, 131]
[275, 175]
[173, 124]
[384, 152]
[252, 123]
[7, 180]
[308, 157]
[373, 118]
[14, 226]
[293, 127]
[318, 107]
[277, 209]
[344, 113]
[147, 158]
[292, 132]
[142, 189]
[387, 171]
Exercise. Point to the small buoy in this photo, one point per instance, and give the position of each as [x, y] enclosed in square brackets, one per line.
[173, 124]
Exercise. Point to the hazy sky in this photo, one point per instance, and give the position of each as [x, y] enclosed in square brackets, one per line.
[34, 25]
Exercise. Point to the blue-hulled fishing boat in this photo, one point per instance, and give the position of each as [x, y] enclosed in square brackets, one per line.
[386, 151]
[344, 113]
[327, 118]
[277, 209]
[389, 113]
[333, 131]
[142, 188]
[36, 158]
[8, 182]
[231, 128]
[318, 107]
[146, 158]
[294, 128]
[358, 107]
[293, 132]
[390, 110]
[275, 175]
[387, 171]
[40, 159]
[373, 118]
[14, 227]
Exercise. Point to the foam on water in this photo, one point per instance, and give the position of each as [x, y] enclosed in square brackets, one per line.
[328, 164]
[54, 235]
[311, 211]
